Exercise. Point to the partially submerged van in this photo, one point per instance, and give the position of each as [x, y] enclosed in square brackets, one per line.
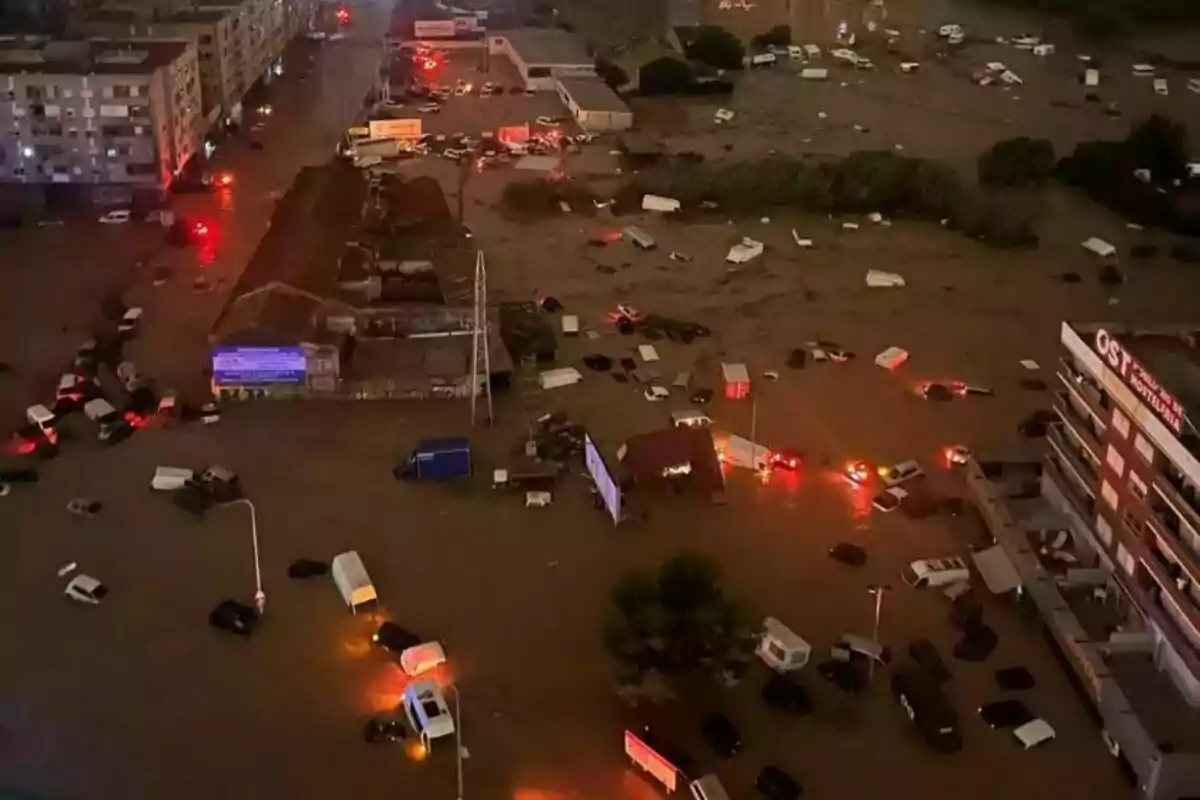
[353, 581]
[691, 418]
[936, 572]
[168, 479]
[639, 238]
[708, 787]
[927, 708]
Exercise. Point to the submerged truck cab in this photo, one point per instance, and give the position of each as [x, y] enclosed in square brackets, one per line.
[436, 459]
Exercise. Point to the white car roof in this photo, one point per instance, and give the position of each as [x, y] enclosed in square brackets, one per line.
[1033, 733]
[84, 583]
[927, 565]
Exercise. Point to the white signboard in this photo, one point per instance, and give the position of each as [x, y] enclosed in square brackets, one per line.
[606, 484]
[435, 28]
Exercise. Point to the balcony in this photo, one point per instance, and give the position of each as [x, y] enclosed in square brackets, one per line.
[1083, 427]
[1072, 460]
[1173, 492]
[1156, 584]
[1081, 504]
[1084, 390]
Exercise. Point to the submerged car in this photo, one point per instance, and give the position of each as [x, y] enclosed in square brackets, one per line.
[86, 589]
[394, 639]
[721, 735]
[1005, 714]
[783, 693]
[234, 617]
[775, 784]
[384, 730]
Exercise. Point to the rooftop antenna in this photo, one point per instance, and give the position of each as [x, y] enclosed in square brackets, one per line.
[480, 355]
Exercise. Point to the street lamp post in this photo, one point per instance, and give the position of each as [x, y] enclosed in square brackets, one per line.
[878, 591]
[458, 745]
[260, 597]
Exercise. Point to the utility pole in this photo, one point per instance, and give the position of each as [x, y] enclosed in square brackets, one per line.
[481, 358]
[878, 591]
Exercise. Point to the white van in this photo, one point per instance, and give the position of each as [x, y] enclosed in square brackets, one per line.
[780, 648]
[168, 479]
[1033, 733]
[763, 60]
[903, 472]
[427, 712]
[353, 581]
[795, 52]
[936, 572]
[691, 418]
[1091, 77]
[639, 238]
[41, 417]
[570, 325]
[814, 74]
[119, 217]
[708, 787]
[421, 658]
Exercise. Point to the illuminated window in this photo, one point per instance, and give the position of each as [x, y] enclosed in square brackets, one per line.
[1125, 559]
[1104, 531]
[1109, 494]
[1144, 448]
[1120, 423]
[1116, 461]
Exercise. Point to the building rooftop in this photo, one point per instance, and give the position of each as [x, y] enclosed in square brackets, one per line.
[546, 46]
[593, 94]
[1173, 358]
[308, 233]
[1170, 354]
[92, 57]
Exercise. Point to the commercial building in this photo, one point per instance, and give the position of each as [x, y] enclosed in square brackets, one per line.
[593, 105]
[314, 317]
[98, 114]
[238, 44]
[1122, 475]
[543, 56]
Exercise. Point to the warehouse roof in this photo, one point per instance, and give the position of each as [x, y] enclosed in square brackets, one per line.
[592, 94]
[546, 46]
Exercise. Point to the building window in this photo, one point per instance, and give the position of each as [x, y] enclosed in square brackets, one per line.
[1143, 447]
[1109, 494]
[120, 90]
[1115, 460]
[1132, 523]
[1137, 486]
[1104, 530]
[1120, 422]
[1125, 559]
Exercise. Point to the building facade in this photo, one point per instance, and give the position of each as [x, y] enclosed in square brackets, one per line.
[239, 44]
[1124, 466]
[98, 113]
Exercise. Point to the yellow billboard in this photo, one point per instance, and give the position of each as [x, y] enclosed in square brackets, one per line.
[407, 129]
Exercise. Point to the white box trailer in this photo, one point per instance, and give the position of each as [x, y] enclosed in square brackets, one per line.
[556, 378]
[653, 202]
[352, 580]
[746, 454]
[1098, 246]
[782, 649]
[168, 479]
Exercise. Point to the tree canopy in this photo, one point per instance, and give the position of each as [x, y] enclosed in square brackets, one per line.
[716, 47]
[779, 36]
[674, 622]
[1017, 162]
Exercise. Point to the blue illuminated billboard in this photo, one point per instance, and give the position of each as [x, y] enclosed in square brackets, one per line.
[247, 366]
[606, 485]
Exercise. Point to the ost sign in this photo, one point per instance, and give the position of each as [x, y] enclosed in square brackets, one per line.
[1141, 382]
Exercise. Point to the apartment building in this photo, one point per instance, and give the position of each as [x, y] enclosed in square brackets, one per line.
[1112, 561]
[239, 43]
[97, 113]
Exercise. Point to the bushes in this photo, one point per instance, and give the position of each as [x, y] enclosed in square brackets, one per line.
[1017, 162]
[611, 74]
[866, 181]
[779, 36]
[541, 196]
[715, 47]
[1104, 171]
[664, 75]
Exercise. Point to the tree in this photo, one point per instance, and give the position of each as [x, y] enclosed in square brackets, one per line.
[664, 75]
[611, 74]
[779, 36]
[1160, 144]
[716, 47]
[674, 623]
[1017, 162]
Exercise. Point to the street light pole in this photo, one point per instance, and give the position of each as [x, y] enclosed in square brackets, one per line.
[878, 592]
[458, 745]
[260, 597]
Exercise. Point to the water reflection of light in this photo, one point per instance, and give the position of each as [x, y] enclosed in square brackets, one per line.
[225, 198]
[388, 683]
[538, 794]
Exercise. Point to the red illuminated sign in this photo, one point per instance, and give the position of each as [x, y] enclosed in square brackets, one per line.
[1139, 381]
[645, 757]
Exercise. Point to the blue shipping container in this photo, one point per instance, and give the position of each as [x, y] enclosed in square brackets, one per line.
[439, 459]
